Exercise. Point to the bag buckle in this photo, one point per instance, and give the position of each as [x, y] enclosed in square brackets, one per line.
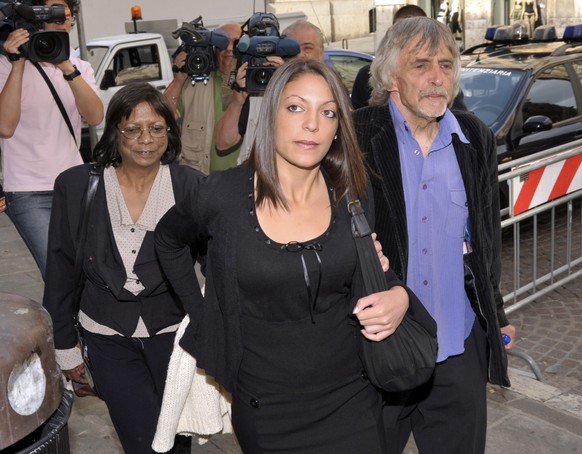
[360, 226]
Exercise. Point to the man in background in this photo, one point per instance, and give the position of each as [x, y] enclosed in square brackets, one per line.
[238, 124]
[201, 105]
[309, 37]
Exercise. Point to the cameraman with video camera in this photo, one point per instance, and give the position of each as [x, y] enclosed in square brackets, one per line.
[37, 143]
[202, 103]
[300, 39]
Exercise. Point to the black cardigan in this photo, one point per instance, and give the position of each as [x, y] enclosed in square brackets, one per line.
[478, 165]
[104, 299]
[214, 214]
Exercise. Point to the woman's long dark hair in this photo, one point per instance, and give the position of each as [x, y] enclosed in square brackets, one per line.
[344, 162]
[120, 108]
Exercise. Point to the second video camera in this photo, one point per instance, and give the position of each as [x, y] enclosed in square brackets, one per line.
[50, 46]
[199, 45]
[263, 40]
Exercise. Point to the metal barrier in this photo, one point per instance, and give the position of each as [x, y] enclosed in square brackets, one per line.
[556, 252]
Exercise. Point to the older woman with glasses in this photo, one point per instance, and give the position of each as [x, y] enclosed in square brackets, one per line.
[128, 314]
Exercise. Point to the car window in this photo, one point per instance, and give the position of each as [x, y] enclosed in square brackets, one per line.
[348, 67]
[95, 55]
[487, 92]
[552, 95]
[138, 63]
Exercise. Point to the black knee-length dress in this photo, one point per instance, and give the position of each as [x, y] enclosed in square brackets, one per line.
[301, 386]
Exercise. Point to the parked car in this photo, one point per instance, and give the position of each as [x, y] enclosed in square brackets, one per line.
[347, 63]
[530, 94]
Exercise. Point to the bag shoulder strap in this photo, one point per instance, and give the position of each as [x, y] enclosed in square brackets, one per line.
[57, 99]
[86, 208]
[372, 273]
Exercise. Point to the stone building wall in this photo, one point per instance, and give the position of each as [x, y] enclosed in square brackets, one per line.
[347, 19]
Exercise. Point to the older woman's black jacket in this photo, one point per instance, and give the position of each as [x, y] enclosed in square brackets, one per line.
[104, 299]
[478, 165]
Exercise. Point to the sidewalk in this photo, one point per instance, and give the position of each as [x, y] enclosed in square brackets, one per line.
[531, 417]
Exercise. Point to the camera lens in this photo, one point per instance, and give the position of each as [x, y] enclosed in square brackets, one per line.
[46, 46]
[262, 76]
[198, 64]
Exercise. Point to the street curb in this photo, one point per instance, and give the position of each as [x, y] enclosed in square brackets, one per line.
[525, 384]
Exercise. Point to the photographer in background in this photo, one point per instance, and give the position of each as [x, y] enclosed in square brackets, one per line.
[36, 142]
[238, 124]
[309, 37]
[200, 106]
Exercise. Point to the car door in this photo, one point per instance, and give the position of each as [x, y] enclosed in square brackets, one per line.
[554, 95]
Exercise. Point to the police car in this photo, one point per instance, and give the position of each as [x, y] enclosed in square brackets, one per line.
[529, 94]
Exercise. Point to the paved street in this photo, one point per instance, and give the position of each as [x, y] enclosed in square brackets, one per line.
[532, 417]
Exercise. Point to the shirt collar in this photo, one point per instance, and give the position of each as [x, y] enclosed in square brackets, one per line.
[118, 209]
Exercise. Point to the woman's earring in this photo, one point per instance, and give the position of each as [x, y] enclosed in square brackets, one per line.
[335, 137]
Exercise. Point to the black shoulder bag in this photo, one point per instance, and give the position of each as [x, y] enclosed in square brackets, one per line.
[405, 359]
[82, 389]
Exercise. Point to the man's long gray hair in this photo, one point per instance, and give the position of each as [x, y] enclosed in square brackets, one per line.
[426, 32]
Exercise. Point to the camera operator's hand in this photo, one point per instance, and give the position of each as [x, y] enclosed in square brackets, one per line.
[66, 66]
[11, 93]
[14, 40]
[87, 101]
[180, 76]
[172, 93]
[274, 60]
[226, 133]
[241, 83]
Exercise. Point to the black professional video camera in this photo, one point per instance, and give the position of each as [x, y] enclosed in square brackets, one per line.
[199, 44]
[262, 40]
[44, 45]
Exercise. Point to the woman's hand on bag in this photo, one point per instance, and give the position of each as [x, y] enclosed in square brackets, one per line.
[76, 374]
[383, 259]
[381, 313]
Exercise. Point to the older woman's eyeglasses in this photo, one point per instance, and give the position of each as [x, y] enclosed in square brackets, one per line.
[133, 132]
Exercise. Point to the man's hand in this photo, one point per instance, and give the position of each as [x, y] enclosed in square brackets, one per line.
[180, 76]
[241, 75]
[274, 60]
[510, 331]
[16, 39]
[65, 66]
[383, 259]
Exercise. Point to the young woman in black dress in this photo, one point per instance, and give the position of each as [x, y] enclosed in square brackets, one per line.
[284, 305]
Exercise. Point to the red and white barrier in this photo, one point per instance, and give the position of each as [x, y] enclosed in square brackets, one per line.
[546, 183]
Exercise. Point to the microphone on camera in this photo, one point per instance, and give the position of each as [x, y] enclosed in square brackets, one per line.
[24, 11]
[243, 43]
